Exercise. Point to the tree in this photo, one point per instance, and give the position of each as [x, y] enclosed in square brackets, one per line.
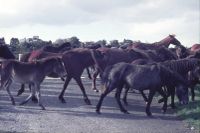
[15, 46]
[102, 43]
[75, 43]
[2, 41]
[114, 43]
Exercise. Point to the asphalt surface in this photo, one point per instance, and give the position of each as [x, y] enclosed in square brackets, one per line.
[76, 117]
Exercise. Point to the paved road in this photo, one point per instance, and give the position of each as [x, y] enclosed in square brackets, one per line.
[76, 117]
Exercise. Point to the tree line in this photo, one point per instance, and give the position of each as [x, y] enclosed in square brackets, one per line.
[29, 44]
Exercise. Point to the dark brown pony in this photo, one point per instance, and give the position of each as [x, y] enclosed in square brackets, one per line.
[5, 52]
[181, 66]
[121, 74]
[104, 57]
[76, 60]
[32, 73]
[57, 49]
[2, 41]
[164, 43]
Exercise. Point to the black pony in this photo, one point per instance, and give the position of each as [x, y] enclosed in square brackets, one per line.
[5, 52]
[139, 78]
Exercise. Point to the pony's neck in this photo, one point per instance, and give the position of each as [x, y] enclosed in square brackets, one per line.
[48, 66]
[164, 42]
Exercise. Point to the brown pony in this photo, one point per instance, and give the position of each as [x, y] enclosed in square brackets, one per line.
[165, 43]
[32, 73]
[195, 48]
[76, 60]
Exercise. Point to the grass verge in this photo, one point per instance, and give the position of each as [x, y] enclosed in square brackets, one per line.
[191, 112]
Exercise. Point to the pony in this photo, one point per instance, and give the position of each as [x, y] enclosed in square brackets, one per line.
[139, 78]
[76, 60]
[5, 52]
[46, 51]
[163, 43]
[32, 73]
[195, 48]
[181, 66]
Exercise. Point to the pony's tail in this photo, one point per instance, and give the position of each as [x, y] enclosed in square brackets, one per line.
[105, 81]
[95, 56]
[105, 75]
[123, 70]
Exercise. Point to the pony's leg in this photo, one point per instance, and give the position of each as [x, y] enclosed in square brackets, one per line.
[166, 90]
[163, 94]
[124, 99]
[79, 82]
[172, 97]
[151, 94]
[26, 100]
[8, 91]
[88, 73]
[117, 97]
[192, 92]
[29, 97]
[33, 98]
[94, 77]
[144, 96]
[106, 92]
[21, 90]
[63, 79]
[38, 95]
[63, 90]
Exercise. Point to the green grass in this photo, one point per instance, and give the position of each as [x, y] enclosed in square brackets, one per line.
[191, 112]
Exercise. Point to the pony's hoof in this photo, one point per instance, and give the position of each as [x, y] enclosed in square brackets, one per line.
[13, 103]
[161, 100]
[193, 99]
[98, 112]
[34, 99]
[22, 103]
[62, 100]
[20, 92]
[43, 108]
[87, 101]
[95, 90]
[173, 106]
[125, 112]
[148, 113]
[163, 111]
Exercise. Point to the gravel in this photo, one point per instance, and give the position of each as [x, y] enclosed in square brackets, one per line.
[77, 117]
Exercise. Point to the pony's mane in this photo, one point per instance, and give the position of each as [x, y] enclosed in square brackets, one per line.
[181, 66]
[170, 77]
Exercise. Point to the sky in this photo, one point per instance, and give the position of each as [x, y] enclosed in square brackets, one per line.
[93, 20]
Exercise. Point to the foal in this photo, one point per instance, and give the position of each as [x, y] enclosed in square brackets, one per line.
[32, 73]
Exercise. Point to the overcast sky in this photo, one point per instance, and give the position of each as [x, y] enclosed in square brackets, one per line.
[145, 20]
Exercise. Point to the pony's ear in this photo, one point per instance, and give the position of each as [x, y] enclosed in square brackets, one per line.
[172, 35]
